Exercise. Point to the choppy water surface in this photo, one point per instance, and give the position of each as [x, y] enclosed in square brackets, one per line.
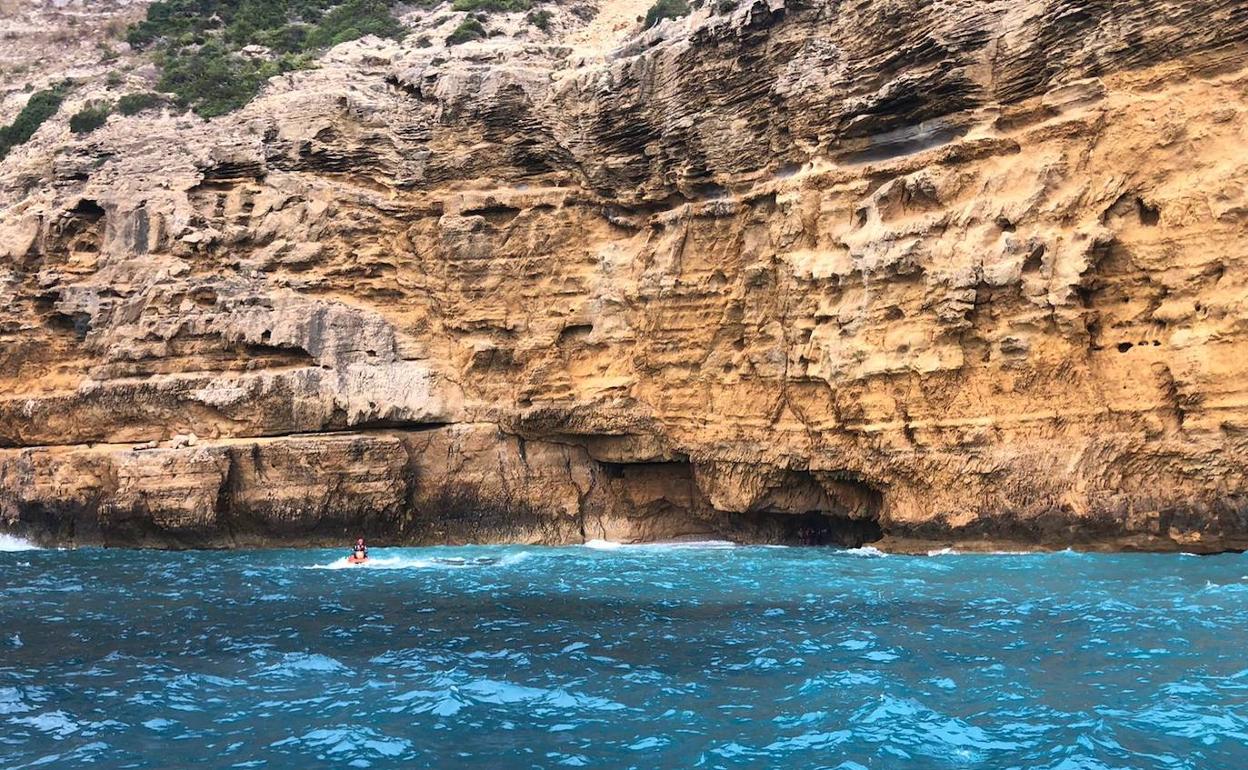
[490, 657]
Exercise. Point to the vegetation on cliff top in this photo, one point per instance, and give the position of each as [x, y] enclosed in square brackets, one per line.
[665, 9]
[133, 104]
[200, 44]
[499, 6]
[469, 29]
[41, 106]
[90, 117]
[540, 19]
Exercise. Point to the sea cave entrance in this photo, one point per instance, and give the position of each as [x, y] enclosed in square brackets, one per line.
[745, 503]
[806, 508]
[811, 528]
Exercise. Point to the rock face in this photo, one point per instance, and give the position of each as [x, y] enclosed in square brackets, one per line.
[831, 272]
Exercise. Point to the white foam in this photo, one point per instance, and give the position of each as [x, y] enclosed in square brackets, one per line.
[446, 562]
[1212, 587]
[954, 552]
[867, 551]
[10, 543]
[603, 545]
[58, 723]
[299, 663]
[672, 545]
[378, 562]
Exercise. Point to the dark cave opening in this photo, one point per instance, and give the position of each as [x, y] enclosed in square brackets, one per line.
[812, 528]
[776, 507]
[87, 209]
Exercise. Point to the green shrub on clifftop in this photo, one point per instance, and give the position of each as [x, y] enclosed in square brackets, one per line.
[133, 104]
[214, 80]
[355, 19]
[89, 118]
[539, 19]
[198, 42]
[498, 6]
[665, 9]
[41, 106]
[468, 29]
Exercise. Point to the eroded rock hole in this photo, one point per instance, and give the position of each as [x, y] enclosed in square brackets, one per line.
[497, 214]
[575, 332]
[787, 170]
[744, 503]
[815, 508]
[87, 209]
[710, 191]
[765, 203]
[813, 528]
[870, 142]
[78, 324]
[85, 245]
[1034, 260]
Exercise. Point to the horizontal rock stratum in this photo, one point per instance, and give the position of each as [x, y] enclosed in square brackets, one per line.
[971, 272]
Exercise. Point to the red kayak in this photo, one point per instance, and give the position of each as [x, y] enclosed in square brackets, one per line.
[354, 560]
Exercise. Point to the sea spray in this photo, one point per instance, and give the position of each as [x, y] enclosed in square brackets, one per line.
[13, 544]
[670, 545]
[437, 562]
[866, 552]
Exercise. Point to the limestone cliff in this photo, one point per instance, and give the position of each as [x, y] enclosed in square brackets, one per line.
[969, 272]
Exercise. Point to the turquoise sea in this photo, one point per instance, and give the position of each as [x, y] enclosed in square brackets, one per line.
[693, 656]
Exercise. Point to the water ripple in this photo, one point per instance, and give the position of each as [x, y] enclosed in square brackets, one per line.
[679, 655]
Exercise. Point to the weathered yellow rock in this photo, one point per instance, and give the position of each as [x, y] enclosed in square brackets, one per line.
[972, 272]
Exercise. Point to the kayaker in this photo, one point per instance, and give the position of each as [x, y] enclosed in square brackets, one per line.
[360, 551]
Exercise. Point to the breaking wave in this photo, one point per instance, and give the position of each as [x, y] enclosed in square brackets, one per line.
[866, 551]
[435, 562]
[956, 552]
[673, 545]
[11, 543]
